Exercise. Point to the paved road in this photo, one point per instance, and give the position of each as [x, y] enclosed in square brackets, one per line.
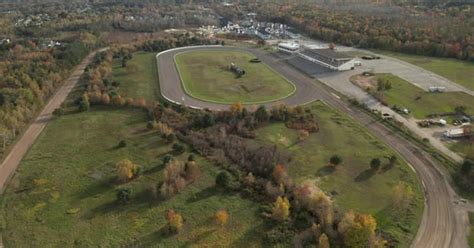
[12, 160]
[443, 224]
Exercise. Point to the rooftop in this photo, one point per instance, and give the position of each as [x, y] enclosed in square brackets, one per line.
[326, 52]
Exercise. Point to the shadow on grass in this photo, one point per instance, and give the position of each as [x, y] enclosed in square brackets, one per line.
[254, 234]
[326, 170]
[98, 187]
[209, 192]
[141, 200]
[203, 194]
[365, 175]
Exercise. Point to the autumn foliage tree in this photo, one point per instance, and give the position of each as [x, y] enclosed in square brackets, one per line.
[279, 174]
[221, 217]
[126, 170]
[236, 108]
[323, 241]
[402, 195]
[358, 230]
[174, 221]
[174, 179]
[281, 209]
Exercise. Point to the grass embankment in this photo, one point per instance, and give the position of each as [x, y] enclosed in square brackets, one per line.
[458, 71]
[206, 76]
[471, 230]
[422, 103]
[352, 184]
[71, 167]
[140, 78]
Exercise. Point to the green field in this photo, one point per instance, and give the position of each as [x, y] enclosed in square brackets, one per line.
[141, 80]
[471, 230]
[461, 72]
[352, 184]
[422, 103]
[71, 167]
[206, 76]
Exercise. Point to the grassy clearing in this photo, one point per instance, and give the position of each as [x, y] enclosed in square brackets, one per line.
[458, 71]
[422, 103]
[71, 169]
[352, 184]
[471, 232]
[142, 81]
[206, 76]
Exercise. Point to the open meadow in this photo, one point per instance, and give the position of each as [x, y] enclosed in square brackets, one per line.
[64, 192]
[206, 75]
[352, 185]
[139, 77]
[420, 102]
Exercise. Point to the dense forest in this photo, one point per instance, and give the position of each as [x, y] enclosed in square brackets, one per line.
[444, 31]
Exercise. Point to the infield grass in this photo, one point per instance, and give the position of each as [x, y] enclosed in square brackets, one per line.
[352, 184]
[206, 76]
[71, 168]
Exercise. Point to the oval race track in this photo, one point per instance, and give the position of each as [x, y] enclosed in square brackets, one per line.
[172, 89]
[443, 225]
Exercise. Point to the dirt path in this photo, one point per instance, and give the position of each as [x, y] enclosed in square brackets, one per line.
[442, 223]
[12, 160]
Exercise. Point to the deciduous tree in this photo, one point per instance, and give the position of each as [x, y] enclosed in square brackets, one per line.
[281, 209]
[174, 220]
[221, 217]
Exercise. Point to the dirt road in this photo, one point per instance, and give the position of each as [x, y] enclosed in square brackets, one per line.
[12, 160]
[442, 224]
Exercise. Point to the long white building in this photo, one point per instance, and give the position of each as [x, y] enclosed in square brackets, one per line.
[328, 58]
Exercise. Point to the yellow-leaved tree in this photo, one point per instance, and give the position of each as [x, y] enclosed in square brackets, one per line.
[126, 170]
[221, 217]
[281, 209]
[174, 220]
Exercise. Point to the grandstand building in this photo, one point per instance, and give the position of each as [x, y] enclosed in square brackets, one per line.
[328, 58]
[290, 48]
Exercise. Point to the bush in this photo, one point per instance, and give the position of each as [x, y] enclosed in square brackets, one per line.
[122, 144]
[335, 160]
[375, 164]
[151, 124]
[178, 148]
[223, 179]
[124, 195]
[167, 159]
[59, 111]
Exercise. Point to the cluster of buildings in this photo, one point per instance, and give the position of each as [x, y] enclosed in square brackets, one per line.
[33, 20]
[324, 57]
[264, 30]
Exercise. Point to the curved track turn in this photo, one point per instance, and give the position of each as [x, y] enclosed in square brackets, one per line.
[443, 223]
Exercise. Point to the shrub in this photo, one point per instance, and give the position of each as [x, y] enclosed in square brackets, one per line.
[178, 148]
[375, 164]
[174, 220]
[126, 170]
[221, 217]
[59, 111]
[122, 144]
[223, 179]
[151, 125]
[124, 195]
[335, 160]
[281, 209]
